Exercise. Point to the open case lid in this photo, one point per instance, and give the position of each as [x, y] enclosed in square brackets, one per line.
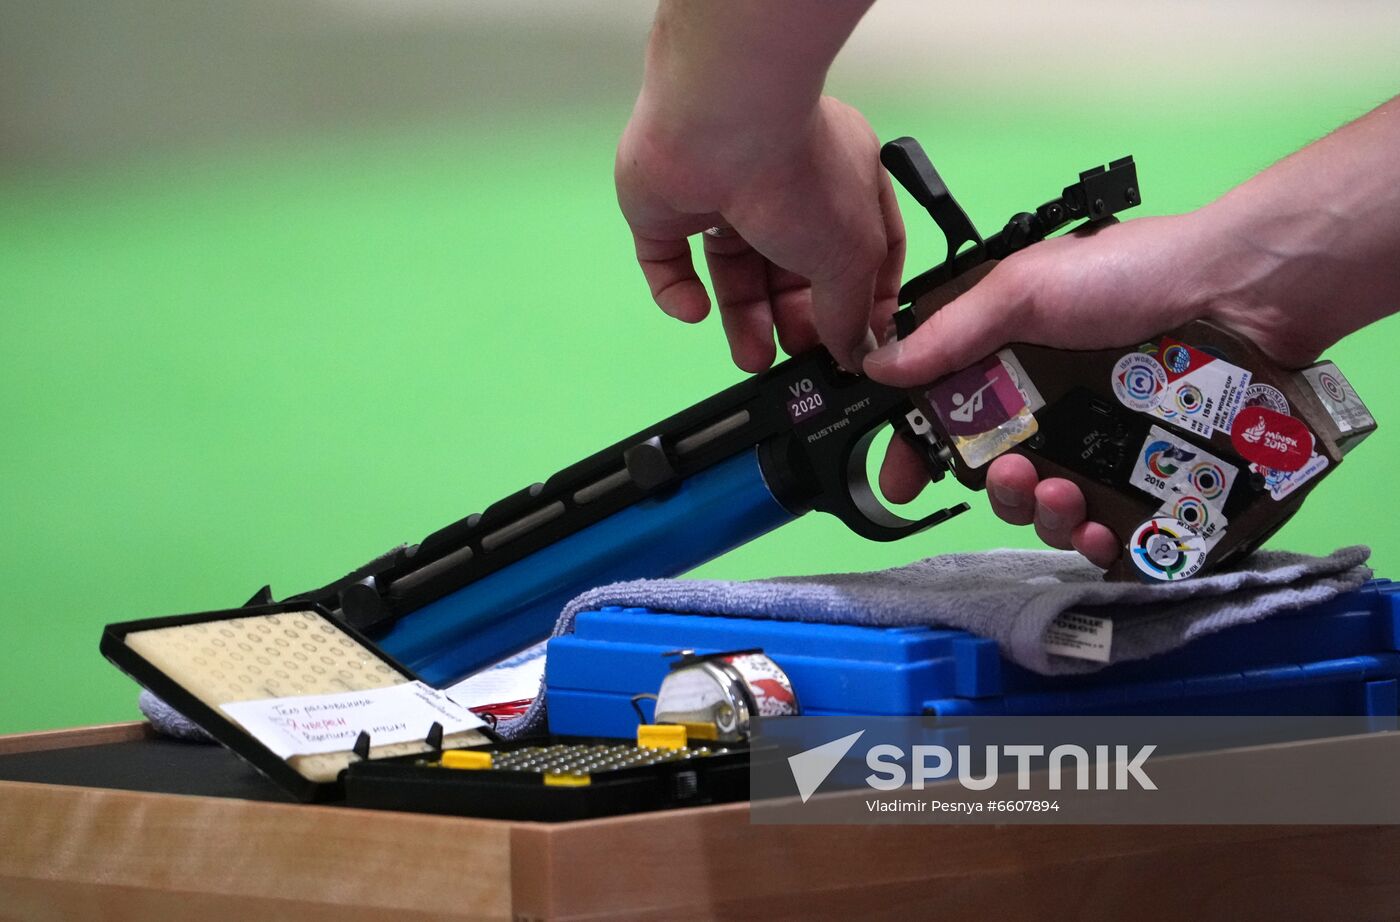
[199, 662]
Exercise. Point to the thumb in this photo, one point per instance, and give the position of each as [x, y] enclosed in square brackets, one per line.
[975, 324]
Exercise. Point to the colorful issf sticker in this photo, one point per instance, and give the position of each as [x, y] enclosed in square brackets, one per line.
[1203, 516]
[1202, 393]
[1164, 549]
[1138, 381]
[983, 410]
[1165, 457]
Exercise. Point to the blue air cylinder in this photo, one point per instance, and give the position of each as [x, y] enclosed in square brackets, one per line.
[706, 515]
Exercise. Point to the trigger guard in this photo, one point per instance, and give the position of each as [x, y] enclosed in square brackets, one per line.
[857, 506]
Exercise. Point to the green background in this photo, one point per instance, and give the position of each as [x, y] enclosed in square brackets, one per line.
[270, 358]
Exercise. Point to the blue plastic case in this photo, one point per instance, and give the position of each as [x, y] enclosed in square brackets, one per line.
[1339, 658]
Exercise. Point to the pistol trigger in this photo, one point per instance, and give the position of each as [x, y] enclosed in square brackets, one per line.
[913, 427]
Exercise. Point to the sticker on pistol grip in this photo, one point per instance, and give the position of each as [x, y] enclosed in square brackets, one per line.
[1271, 439]
[1023, 381]
[1165, 550]
[982, 410]
[1203, 393]
[1282, 483]
[1267, 396]
[1165, 457]
[1202, 516]
[1338, 398]
[1138, 381]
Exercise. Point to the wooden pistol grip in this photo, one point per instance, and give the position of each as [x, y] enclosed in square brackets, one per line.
[1077, 389]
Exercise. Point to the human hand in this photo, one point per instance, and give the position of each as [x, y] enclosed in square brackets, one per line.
[1114, 285]
[817, 243]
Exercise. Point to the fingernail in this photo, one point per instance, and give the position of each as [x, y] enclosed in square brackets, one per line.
[888, 354]
[1049, 520]
[865, 348]
[1013, 498]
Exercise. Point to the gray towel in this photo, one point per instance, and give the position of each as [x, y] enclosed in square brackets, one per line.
[1008, 596]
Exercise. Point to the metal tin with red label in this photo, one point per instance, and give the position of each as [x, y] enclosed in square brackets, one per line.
[728, 692]
[768, 684]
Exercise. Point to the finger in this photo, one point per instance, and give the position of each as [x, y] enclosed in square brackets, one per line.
[1097, 543]
[1011, 483]
[842, 304]
[790, 296]
[891, 270]
[902, 473]
[670, 274]
[739, 275]
[963, 331]
[1059, 510]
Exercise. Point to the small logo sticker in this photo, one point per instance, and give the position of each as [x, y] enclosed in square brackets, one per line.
[1164, 549]
[977, 399]
[1203, 391]
[804, 400]
[1138, 381]
[1332, 387]
[1188, 399]
[1282, 483]
[1266, 395]
[1338, 397]
[1192, 512]
[1177, 358]
[1209, 479]
[1161, 458]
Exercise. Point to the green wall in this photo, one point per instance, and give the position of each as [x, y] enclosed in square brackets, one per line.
[269, 362]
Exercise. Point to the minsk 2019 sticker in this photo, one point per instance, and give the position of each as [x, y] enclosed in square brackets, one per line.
[1138, 381]
[1164, 549]
[1271, 439]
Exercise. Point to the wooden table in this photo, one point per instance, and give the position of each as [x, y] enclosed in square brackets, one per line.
[71, 852]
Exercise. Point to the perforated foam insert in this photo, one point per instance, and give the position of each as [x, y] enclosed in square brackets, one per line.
[276, 656]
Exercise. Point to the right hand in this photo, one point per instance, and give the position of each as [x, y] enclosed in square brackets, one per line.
[1113, 285]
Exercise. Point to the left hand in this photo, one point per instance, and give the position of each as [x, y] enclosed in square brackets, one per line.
[816, 243]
